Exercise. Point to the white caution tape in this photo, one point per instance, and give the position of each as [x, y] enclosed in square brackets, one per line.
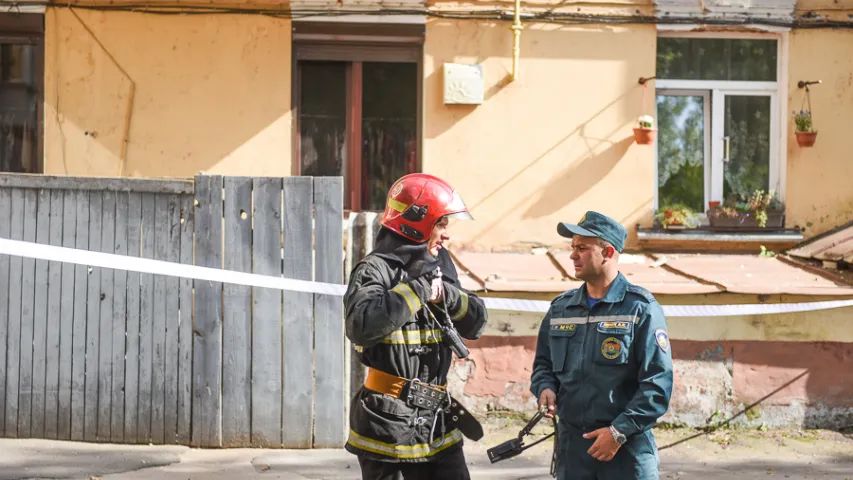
[158, 267]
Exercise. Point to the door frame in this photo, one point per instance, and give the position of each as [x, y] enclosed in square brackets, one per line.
[355, 44]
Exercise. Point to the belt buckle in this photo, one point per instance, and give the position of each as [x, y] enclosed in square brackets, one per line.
[423, 395]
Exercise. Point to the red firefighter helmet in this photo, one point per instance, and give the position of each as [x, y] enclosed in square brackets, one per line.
[417, 201]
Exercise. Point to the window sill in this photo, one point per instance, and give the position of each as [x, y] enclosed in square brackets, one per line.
[707, 238]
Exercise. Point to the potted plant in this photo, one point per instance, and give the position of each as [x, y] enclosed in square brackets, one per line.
[757, 210]
[644, 133]
[676, 216]
[806, 134]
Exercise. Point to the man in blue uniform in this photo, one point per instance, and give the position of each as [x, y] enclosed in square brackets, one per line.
[603, 362]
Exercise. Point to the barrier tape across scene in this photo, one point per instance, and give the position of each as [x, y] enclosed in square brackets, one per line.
[112, 261]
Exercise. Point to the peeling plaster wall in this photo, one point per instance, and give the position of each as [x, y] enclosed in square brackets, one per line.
[210, 93]
[825, 55]
[721, 365]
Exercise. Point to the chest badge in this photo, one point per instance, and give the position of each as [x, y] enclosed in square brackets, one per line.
[611, 348]
[662, 339]
[564, 327]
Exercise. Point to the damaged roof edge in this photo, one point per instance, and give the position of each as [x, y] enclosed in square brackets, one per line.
[536, 273]
[834, 245]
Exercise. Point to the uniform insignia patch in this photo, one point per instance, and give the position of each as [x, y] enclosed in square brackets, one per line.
[662, 339]
[620, 325]
[611, 348]
[583, 218]
[567, 327]
[397, 190]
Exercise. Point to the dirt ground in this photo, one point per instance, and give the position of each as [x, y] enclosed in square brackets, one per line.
[732, 453]
[735, 454]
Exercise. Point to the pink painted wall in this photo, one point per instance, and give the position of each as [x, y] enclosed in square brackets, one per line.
[809, 384]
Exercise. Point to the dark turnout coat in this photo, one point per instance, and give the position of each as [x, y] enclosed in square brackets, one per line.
[387, 321]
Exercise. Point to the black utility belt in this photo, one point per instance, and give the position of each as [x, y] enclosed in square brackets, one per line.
[424, 395]
[434, 398]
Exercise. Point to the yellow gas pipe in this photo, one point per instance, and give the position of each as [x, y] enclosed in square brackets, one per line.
[516, 39]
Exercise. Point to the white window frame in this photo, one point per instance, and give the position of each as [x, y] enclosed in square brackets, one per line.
[706, 96]
[714, 130]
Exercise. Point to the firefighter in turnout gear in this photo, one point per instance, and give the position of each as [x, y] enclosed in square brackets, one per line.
[405, 311]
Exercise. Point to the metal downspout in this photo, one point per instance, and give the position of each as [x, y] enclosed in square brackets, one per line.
[516, 39]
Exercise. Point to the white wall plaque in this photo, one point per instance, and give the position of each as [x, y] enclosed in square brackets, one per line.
[463, 84]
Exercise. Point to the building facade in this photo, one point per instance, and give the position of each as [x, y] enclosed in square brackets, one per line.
[103, 90]
[529, 136]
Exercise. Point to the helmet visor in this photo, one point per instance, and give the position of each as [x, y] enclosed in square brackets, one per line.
[463, 215]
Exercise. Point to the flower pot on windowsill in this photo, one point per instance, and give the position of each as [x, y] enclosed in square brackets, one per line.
[645, 136]
[806, 139]
[775, 219]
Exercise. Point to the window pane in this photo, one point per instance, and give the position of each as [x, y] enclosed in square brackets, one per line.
[322, 118]
[389, 127]
[681, 151]
[747, 124]
[19, 99]
[716, 59]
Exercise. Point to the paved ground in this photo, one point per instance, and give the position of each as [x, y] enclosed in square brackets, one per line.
[742, 455]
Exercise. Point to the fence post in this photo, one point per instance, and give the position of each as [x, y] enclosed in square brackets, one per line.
[361, 238]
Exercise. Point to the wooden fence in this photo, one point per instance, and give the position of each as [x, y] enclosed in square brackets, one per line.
[115, 356]
[360, 232]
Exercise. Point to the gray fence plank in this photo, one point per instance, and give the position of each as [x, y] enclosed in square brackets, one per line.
[207, 316]
[119, 323]
[28, 278]
[298, 392]
[54, 312]
[131, 365]
[237, 316]
[185, 332]
[146, 317]
[364, 231]
[5, 232]
[13, 336]
[100, 184]
[93, 318]
[170, 353]
[13, 339]
[81, 314]
[66, 318]
[266, 316]
[39, 325]
[329, 375]
[158, 368]
[105, 336]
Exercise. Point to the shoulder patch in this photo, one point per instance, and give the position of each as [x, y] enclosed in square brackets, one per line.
[564, 295]
[662, 339]
[642, 292]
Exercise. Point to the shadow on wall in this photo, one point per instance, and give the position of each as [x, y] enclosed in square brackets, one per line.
[207, 92]
[582, 175]
[490, 43]
[786, 379]
[577, 179]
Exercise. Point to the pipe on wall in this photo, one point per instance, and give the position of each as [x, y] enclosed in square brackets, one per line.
[516, 39]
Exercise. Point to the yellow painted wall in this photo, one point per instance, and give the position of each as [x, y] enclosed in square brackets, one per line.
[819, 195]
[212, 93]
[550, 146]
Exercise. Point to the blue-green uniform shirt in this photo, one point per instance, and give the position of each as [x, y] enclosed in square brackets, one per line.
[610, 364]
